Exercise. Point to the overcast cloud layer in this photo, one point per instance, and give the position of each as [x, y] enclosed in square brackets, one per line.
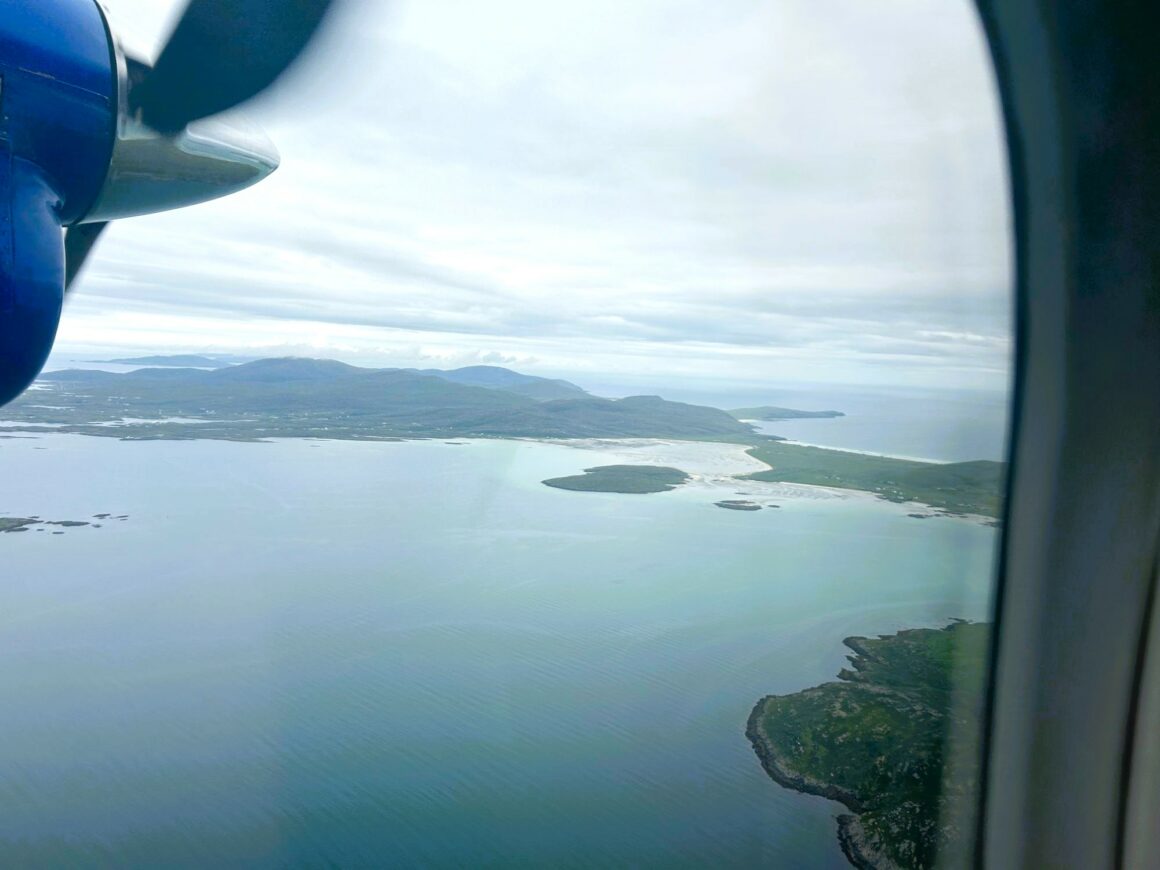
[756, 190]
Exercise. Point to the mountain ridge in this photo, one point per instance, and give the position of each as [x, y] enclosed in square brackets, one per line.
[292, 396]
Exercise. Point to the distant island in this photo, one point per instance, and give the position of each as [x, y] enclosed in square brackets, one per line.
[180, 360]
[623, 479]
[876, 741]
[26, 524]
[767, 413]
[310, 398]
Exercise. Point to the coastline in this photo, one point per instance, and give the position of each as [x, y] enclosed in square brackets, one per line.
[784, 777]
[709, 464]
[703, 460]
[926, 459]
[718, 470]
[852, 840]
[729, 469]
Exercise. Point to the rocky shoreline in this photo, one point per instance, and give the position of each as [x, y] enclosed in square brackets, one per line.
[857, 848]
[782, 775]
[879, 740]
[852, 837]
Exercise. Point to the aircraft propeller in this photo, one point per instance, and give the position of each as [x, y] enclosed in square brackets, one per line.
[221, 54]
[90, 134]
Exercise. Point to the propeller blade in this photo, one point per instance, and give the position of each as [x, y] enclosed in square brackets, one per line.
[78, 244]
[222, 53]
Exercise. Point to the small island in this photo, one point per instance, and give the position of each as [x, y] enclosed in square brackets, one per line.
[629, 479]
[876, 740]
[770, 413]
[737, 504]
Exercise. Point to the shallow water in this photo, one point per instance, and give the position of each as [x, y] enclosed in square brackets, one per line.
[303, 653]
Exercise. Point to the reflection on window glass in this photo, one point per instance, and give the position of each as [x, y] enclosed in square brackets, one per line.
[584, 451]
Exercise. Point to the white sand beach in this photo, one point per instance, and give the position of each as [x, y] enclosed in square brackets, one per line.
[714, 467]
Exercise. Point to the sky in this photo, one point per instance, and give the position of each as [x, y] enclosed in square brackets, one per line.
[636, 191]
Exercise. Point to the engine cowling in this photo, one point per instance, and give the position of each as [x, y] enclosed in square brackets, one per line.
[72, 152]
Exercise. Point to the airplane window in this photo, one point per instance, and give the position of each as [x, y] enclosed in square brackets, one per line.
[586, 449]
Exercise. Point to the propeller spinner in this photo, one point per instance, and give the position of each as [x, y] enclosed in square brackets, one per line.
[89, 134]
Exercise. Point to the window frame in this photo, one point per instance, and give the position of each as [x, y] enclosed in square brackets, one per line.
[1081, 534]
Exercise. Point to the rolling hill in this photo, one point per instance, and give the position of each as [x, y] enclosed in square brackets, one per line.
[295, 397]
[497, 378]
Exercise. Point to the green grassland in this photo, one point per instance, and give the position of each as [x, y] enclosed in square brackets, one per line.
[957, 487]
[877, 740]
[622, 478]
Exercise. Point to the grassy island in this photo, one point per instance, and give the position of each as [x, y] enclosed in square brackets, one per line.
[622, 478]
[877, 741]
[955, 487]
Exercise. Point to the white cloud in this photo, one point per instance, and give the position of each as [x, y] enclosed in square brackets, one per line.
[736, 189]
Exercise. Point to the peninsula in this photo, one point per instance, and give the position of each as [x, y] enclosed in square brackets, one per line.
[768, 413]
[877, 741]
[954, 487]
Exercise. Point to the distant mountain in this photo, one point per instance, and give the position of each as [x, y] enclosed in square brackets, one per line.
[497, 378]
[183, 360]
[488, 377]
[288, 370]
[771, 412]
[291, 397]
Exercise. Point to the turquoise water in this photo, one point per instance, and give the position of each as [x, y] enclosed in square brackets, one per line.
[345, 654]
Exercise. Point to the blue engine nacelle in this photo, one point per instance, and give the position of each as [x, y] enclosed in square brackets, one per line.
[58, 118]
[72, 153]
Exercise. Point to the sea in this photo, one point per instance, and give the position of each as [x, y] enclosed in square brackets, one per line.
[414, 654]
[936, 425]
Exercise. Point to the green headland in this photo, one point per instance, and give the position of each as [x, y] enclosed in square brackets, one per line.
[894, 739]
